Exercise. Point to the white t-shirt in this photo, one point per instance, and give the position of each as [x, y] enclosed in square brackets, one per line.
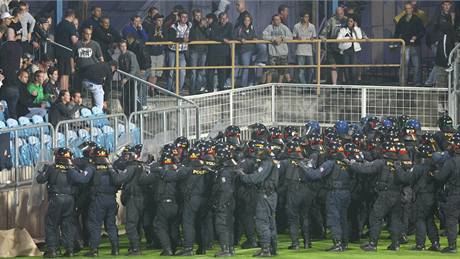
[301, 31]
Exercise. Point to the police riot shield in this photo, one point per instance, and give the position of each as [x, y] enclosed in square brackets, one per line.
[152, 147]
[37, 192]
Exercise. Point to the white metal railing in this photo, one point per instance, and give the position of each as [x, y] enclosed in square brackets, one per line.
[453, 82]
[293, 104]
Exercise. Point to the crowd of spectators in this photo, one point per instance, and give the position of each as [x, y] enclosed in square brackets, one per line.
[36, 76]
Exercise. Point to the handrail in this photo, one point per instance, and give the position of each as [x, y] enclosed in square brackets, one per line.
[318, 65]
[451, 54]
[160, 89]
[59, 45]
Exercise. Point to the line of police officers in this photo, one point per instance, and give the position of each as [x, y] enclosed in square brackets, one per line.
[351, 175]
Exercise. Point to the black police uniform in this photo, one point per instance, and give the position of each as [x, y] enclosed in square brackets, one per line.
[450, 174]
[338, 198]
[424, 187]
[246, 200]
[223, 204]
[299, 199]
[389, 182]
[166, 178]
[61, 181]
[195, 215]
[133, 199]
[103, 207]
[265, 179]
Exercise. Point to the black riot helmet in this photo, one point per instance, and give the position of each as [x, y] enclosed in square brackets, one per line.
[101, 156]
[402, 120]
[87, 148]
[128, 153]
[294, 148]
[232, 135]
[223, 155]
[454, 143]
[275, 136]
[445, 124]
[182, 143]
[335, 151]
[258, 131]
[358, 139]
[290, 132]
[409, 133]
[167, 157]
[425, 151]
[260, 148]
[63, 156]
[371, 123]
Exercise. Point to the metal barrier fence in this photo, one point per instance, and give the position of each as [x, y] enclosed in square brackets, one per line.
[161, 126]
[293, 104]
[110, 131]
[26, 144]
[454, 83]
[316, 42]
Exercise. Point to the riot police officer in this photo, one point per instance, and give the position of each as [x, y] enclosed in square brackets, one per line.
[223, 202]
[61, 179]
[265, 179]
[233, 141]
[299, 195]
[424, 187]
[166, 175]
[103, 207]
[132, 196]
[195, 190]
[258, 131]
[390, 178]
[445, 124]
[275, 139]
[336, 170]
[450, 175]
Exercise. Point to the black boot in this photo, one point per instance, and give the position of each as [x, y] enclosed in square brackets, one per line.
[394, 246]
[307, 244]
[134, 251]
[248, 244]
[344, 245]
[452, 248]
[201, 250]
[115, 250]
[68, 253]
[418, 247]
[403, 239]
[336, 247]
[274, 247]
[167, 252]
[294, 246]
[435, 246]
[369, 247]
[264, 252]
[187, 251]
[50, 254]
[92, 253]
[224, 252]
[231, 249]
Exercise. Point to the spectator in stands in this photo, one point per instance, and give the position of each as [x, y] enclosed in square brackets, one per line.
[10, 56]
[211, 19]
[6, 19]
[16, 25]
[410, 29]
[331, 31]
[66, 35]
[76, 24]
[416, 11]
[304, 30]
[135, 29]
[149, 21]
[138, 48]
[44, 64]
[10, 93]
[106, 36]
[173, 17]
[61, 109]
[97, 79]
[40, 99]
[28, 26]
[87, 52]
[349, 50]
[25, 100]
[447, 38]
[77, 104]
[94, 21]
[52, 84]
[197, 53]
[39, 38]
[127, 62]
[245, 51]
[260, 50]
[283, 12]
[434, 35]
[157, 53]
[278, 51]
[178, 32]
[27, 62]
[218, 55]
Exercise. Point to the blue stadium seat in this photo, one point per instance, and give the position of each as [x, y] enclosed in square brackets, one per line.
[37, 119]
[85, 113]
[100, 122]
[12, 123]
[135, 133]
[108, 138]
[96, 136]
[24, 121]
[34, 149]
[60, 139]
[4, 113]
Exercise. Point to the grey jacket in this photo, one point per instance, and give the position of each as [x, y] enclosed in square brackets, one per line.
[271, 33]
